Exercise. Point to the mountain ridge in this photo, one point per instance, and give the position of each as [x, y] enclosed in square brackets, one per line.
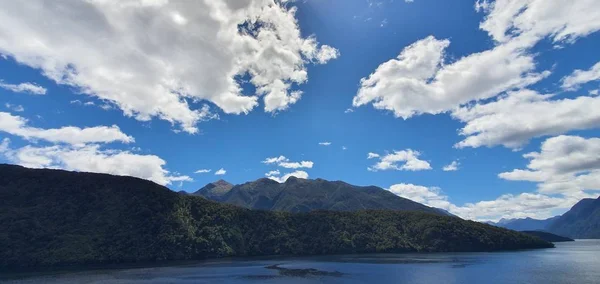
[582, 221]
[305, 195]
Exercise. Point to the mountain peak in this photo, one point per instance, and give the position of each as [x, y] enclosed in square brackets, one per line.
[221, 182]
[215, 189]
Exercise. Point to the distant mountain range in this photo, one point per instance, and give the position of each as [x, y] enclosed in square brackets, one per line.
[305, 195]
[524, 224]
[60, 218]
[582, 221]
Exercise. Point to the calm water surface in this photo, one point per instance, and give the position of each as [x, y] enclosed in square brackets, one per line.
[572, 262]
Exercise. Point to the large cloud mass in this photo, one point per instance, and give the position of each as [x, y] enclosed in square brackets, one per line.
[153, 58]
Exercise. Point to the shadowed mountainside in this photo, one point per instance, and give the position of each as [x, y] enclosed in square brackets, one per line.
[582, 221]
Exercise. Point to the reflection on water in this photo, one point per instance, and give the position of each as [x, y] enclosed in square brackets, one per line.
[571, 262]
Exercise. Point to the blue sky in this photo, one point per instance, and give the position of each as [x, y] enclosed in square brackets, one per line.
[163, 89]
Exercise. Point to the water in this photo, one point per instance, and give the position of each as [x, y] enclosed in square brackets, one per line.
[571, 262]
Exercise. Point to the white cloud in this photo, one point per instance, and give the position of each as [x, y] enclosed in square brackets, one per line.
[220, 172]
[16, 108]
[580, 77]
[594, 92]
[28, 88]
[284, 162]
[536, 19]
[349, 110]
[324, 143]
[90, 158]
[430, 196]
[371, 155]
[513, 119]
[405, 160]
[151, 60]
[451, 167]
[296, 165]
[567, 165]
[202, 171]
[16, 125]
[275, 160]
[506, 206]
[344, 148]
[420, 80]
[274, 175]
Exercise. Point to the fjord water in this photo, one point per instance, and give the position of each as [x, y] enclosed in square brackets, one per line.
[569, 262]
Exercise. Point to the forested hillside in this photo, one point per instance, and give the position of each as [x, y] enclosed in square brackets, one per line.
[54, 217]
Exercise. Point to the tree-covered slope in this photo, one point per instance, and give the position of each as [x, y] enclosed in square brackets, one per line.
[582, 221]
[305, 195]
[549, 237]
[53, 217]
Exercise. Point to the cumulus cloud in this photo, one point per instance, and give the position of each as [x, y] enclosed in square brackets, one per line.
[421, 81]
[536, 19]
[284, 162]
[91, 158]
[16, 125]
[451, 167]
[202, 171]
[153, 58]
[28, 88]
[522, 205]
[568, 165]
[418, 81]
[405, 160]
[580, 77]
[430, 196]
[220, 172]
[275, 175]
[324, 143]
[512, 119]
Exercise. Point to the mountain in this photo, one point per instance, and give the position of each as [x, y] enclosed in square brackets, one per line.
[549, 237]
[524, 224]
[215, 190]
[60, 218]
[582, 221]
[305, 195]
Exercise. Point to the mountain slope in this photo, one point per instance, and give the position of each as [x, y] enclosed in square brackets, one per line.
[549, 237]
[214, 190]
[582, 221]
[525, 224]
[54, 217]
[305, 195]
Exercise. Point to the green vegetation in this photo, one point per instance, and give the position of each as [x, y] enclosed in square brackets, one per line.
[52, 217]
[549, 237]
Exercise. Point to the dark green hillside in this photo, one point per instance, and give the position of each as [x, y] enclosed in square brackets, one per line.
[52, 217]
[549, 237]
